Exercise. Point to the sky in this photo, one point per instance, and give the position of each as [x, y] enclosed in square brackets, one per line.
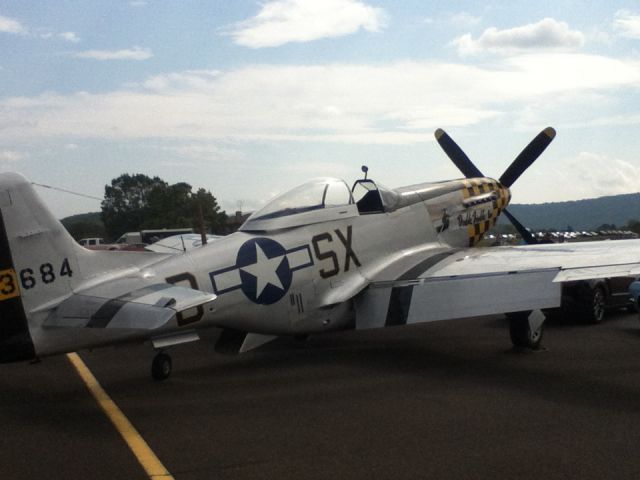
[250, 98]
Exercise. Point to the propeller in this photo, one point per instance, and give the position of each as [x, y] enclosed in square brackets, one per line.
[526, 235]
[529, 155]
[457, 156]
[523, 161]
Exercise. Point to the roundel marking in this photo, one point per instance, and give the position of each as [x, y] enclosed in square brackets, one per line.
[264, 270]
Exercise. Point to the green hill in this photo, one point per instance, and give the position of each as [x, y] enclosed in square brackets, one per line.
[585, 214]
[85, 225]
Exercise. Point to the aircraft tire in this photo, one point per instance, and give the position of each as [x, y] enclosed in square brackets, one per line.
[522, 336]
[161, 366]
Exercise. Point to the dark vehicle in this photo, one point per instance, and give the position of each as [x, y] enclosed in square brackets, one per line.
[634, 291]
[588, 301]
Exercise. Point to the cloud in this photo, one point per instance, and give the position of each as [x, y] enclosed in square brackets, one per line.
[69, 37]
[9, 25]
[284, 21]
[465, 20]
[592, 174]
[583, 174]
[396, 103]
[627, 24]
[191, 80]
[210, 153]
[10, 156]
[547, 34]
[135, 53]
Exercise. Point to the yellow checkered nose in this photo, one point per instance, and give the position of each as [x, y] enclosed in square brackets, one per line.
[504, 194]
[484, 200]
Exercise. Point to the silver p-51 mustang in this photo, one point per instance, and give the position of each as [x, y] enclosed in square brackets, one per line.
[319, 258]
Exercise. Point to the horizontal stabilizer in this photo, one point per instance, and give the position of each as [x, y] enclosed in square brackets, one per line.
[147, 308]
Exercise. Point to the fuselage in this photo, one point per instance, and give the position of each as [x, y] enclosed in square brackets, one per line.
[297, 270]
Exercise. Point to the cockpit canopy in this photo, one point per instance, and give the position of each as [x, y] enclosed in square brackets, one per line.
[322, 200]
[319, 200]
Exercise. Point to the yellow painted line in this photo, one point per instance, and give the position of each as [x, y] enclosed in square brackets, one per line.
[136, 443]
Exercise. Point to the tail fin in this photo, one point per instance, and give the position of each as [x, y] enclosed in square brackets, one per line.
[38, 263]
[44, 257]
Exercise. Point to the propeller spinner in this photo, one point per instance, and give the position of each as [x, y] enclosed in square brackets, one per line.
[523, 161]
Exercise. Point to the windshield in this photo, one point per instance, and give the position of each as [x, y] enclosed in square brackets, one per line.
[314, 195]
[372, 198]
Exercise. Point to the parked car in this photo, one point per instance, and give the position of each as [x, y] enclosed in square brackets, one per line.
[96, 244]
[634, 291]
[588, 301]
[85, 242]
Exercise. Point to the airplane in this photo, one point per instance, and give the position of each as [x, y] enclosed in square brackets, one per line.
[322, 257]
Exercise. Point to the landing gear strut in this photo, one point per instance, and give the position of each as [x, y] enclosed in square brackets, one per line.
[161, 366]
[526, 329]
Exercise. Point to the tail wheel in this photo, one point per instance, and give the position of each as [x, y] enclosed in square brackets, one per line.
[161, 366]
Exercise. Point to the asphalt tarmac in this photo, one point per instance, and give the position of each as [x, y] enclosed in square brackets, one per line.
[443, 400]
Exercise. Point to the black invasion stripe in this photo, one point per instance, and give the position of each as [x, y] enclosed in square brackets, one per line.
[15, 339]
[105, 313]
[399, 304]
[108, 310]
[141, 292]
[425, 265]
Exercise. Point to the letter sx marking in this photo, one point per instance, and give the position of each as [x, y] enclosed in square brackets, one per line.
[323, 251]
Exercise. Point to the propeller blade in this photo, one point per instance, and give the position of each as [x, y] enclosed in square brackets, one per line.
[524, 233]
[527, 156]
[457, 156]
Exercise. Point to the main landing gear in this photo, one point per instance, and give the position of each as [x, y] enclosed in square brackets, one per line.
[161, 366]
[526, 329]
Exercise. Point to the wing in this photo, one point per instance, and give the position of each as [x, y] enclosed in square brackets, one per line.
[147, 307]
[481, 281]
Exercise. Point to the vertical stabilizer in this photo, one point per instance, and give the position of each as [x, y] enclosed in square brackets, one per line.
[44, 255]
[38, 263]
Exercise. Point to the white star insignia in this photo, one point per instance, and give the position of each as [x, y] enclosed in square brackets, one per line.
[265, 271]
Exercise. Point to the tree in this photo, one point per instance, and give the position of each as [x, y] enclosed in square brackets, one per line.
[606, 226]
[634, 226]
[125, 203]
[214, 219]
[137, 202]
[169, 206]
